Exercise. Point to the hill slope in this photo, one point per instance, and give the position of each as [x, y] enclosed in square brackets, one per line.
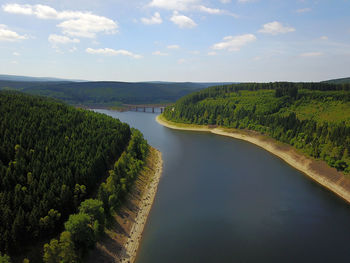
[106, 93]
[31, 79]
[313, 117]
[52, 156]
[338, 81]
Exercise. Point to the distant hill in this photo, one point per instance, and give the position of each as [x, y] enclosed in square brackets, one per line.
[31, 79]
[338, 81]
[106, 93]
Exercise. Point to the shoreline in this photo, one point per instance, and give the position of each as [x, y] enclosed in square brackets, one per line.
[317, 170]
[123, 235]
[132, 244]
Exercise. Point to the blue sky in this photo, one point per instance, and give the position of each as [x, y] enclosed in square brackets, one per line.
[176, 40]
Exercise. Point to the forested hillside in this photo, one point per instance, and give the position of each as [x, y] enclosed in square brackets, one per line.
[52, 157]
[338, 81]
[313, 117]
[105, 93]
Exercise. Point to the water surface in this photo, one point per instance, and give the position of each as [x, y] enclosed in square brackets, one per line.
[226, 200]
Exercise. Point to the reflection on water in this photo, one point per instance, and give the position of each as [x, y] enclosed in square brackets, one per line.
[225, 200]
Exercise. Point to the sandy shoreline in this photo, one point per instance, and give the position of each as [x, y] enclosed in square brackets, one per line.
[123, 235]
[317, 170]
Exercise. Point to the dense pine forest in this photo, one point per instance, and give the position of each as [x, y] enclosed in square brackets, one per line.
[313, 117]
[52, 158]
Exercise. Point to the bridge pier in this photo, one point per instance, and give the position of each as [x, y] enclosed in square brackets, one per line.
[144, 109]
[152, 109]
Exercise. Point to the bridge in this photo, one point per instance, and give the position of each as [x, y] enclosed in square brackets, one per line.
[144, 107]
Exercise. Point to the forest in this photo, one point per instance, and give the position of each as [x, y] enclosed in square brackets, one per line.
[105, 93]
[53, 158]
[313, 117]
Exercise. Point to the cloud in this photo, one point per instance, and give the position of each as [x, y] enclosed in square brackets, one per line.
[88, 25]
[324, 38]
[311, 54]
[112, 52]
[180, 5]
[186, 5]
[182, 21]
[212, 53]
[76, 23]
[304, 10]
[181, 61]
[234, 43]
[275, 28]
[155, 19]
[213, 11]
[158, 53]
[225, 1]
[9, 35]
[18, 9]
[57, 39]
[173, 47]
[16, 54]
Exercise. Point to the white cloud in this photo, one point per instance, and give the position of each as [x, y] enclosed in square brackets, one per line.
[245, 1]
[112, 52]
[212, 53]
[303, 10]
[225, 1]
[16, 54]
[76, 23]
[275, 28]
[311, 54]
[186, 5]
[180, 5]
[88, 25]
[181, 61]
[158, 53]
[9, 35]
[18, 9]
[234, 43]
[155, 19]
[57, 39]
[173, 47]
[213, 11]
[182, 21]
[324, 38]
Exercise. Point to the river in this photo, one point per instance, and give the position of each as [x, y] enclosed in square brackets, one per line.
[226, 200]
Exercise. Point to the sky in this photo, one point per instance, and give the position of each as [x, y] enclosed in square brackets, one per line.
[176, 40]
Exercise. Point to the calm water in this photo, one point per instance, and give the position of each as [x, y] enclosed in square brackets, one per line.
[226, 200]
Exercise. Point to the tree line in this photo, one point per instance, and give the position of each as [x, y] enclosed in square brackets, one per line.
[272, 108]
